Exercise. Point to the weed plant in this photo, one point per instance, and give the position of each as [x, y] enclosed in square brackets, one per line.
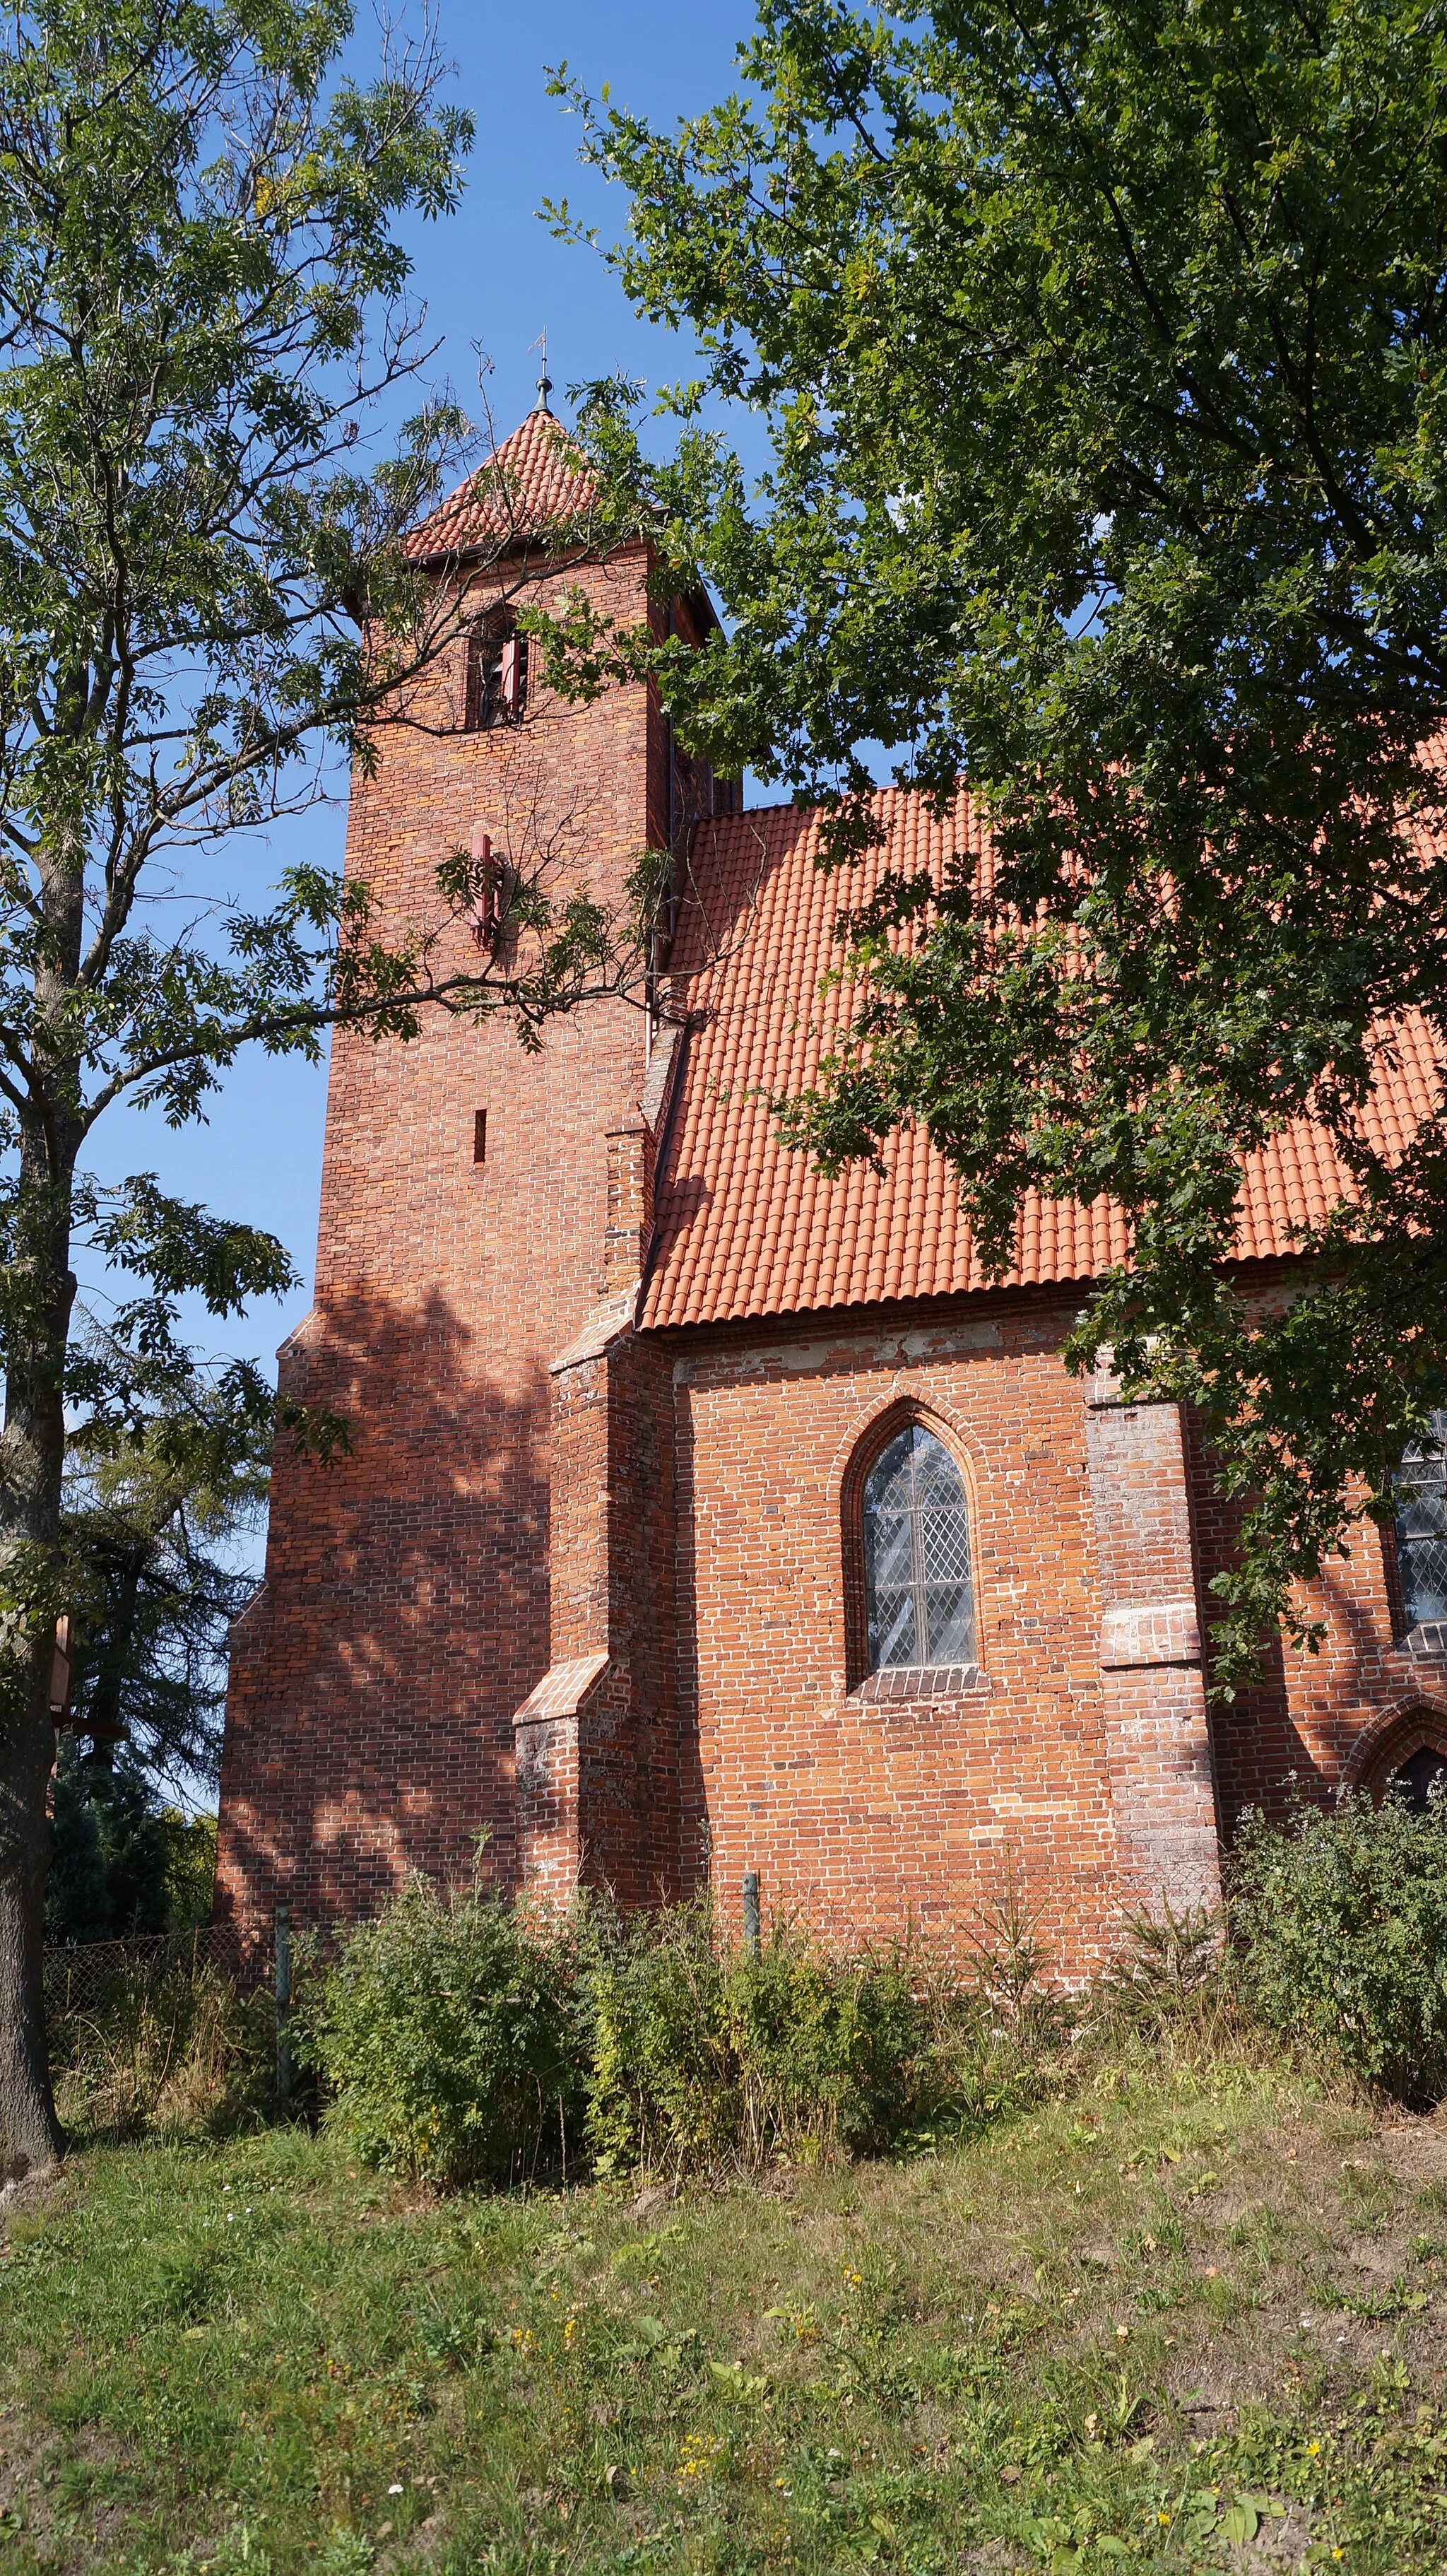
[1339, 1936]
[709, 2056]
[182, 2052]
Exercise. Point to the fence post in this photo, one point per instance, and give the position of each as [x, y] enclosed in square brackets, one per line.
[753, 1925]
[283, 2003]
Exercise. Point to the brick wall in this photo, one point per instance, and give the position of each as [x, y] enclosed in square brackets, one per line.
[405, 1614]
[870, 1813]
[1346, 1715]
[601, 1800]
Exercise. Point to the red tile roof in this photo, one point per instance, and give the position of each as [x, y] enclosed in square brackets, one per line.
[529, 488]
[745, 1227]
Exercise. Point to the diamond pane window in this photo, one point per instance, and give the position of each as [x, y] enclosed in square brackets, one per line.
[1422, 1526]
[917, 1555]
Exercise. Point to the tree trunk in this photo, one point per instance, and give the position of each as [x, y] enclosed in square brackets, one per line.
[41, 1292]
[30, 2134]
[32, 1467]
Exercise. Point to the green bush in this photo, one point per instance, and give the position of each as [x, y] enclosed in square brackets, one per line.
[446, 2035]
[702, 2055]
[1340, 1924]
[463, 2041]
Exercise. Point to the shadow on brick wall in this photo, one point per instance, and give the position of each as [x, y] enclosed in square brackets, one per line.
[403, 1619]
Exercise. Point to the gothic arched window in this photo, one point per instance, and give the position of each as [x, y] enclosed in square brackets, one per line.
[1422, 1526]
[1419, 1779]
[919, 1597]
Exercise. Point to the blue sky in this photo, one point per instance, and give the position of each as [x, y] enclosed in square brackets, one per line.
[493, 275]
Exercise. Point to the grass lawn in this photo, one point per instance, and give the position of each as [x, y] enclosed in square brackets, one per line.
[1185, 2320]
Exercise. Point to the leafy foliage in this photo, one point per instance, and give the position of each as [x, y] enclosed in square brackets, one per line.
[702, 2055]
[110, 1853]
[1341, 1920]
[152, 1537]
[121, 1862]
[460, 2040]
[1103, 358]
[445, 2037]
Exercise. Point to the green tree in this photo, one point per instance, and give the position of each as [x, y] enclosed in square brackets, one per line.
[205, 597]
[110, 1852]
[152, 1537]
[1103, 357]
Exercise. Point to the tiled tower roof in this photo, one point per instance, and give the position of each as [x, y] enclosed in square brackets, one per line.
[528, 489]
[745, 1227]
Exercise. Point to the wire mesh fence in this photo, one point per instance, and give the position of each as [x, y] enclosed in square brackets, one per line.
[80, 1975]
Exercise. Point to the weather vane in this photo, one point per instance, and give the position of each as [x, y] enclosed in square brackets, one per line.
[545, 382]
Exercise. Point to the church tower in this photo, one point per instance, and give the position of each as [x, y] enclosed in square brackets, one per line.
[467, 1237]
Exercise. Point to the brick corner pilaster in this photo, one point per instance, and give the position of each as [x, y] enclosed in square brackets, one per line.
[1158, 1737]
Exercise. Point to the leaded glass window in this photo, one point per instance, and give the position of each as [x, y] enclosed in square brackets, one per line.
[1422, 1526]
[917, 1555]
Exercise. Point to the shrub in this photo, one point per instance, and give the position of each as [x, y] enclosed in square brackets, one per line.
[703, 2055]
[462, 2041]
[447, 2035]
[1340, 1923]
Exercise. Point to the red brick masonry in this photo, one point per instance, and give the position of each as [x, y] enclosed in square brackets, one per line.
[590, 1585]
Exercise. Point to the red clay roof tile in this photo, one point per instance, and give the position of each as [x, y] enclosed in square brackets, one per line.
[745, 1227]
[529, 488]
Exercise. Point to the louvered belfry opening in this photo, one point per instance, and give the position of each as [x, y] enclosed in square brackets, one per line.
[497, 673]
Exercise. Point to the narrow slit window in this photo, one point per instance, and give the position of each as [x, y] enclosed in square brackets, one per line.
[918, 1579]
[1422, 1526]
[479, 1135]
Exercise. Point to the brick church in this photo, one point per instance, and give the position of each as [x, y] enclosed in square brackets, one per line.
[704, 1516]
